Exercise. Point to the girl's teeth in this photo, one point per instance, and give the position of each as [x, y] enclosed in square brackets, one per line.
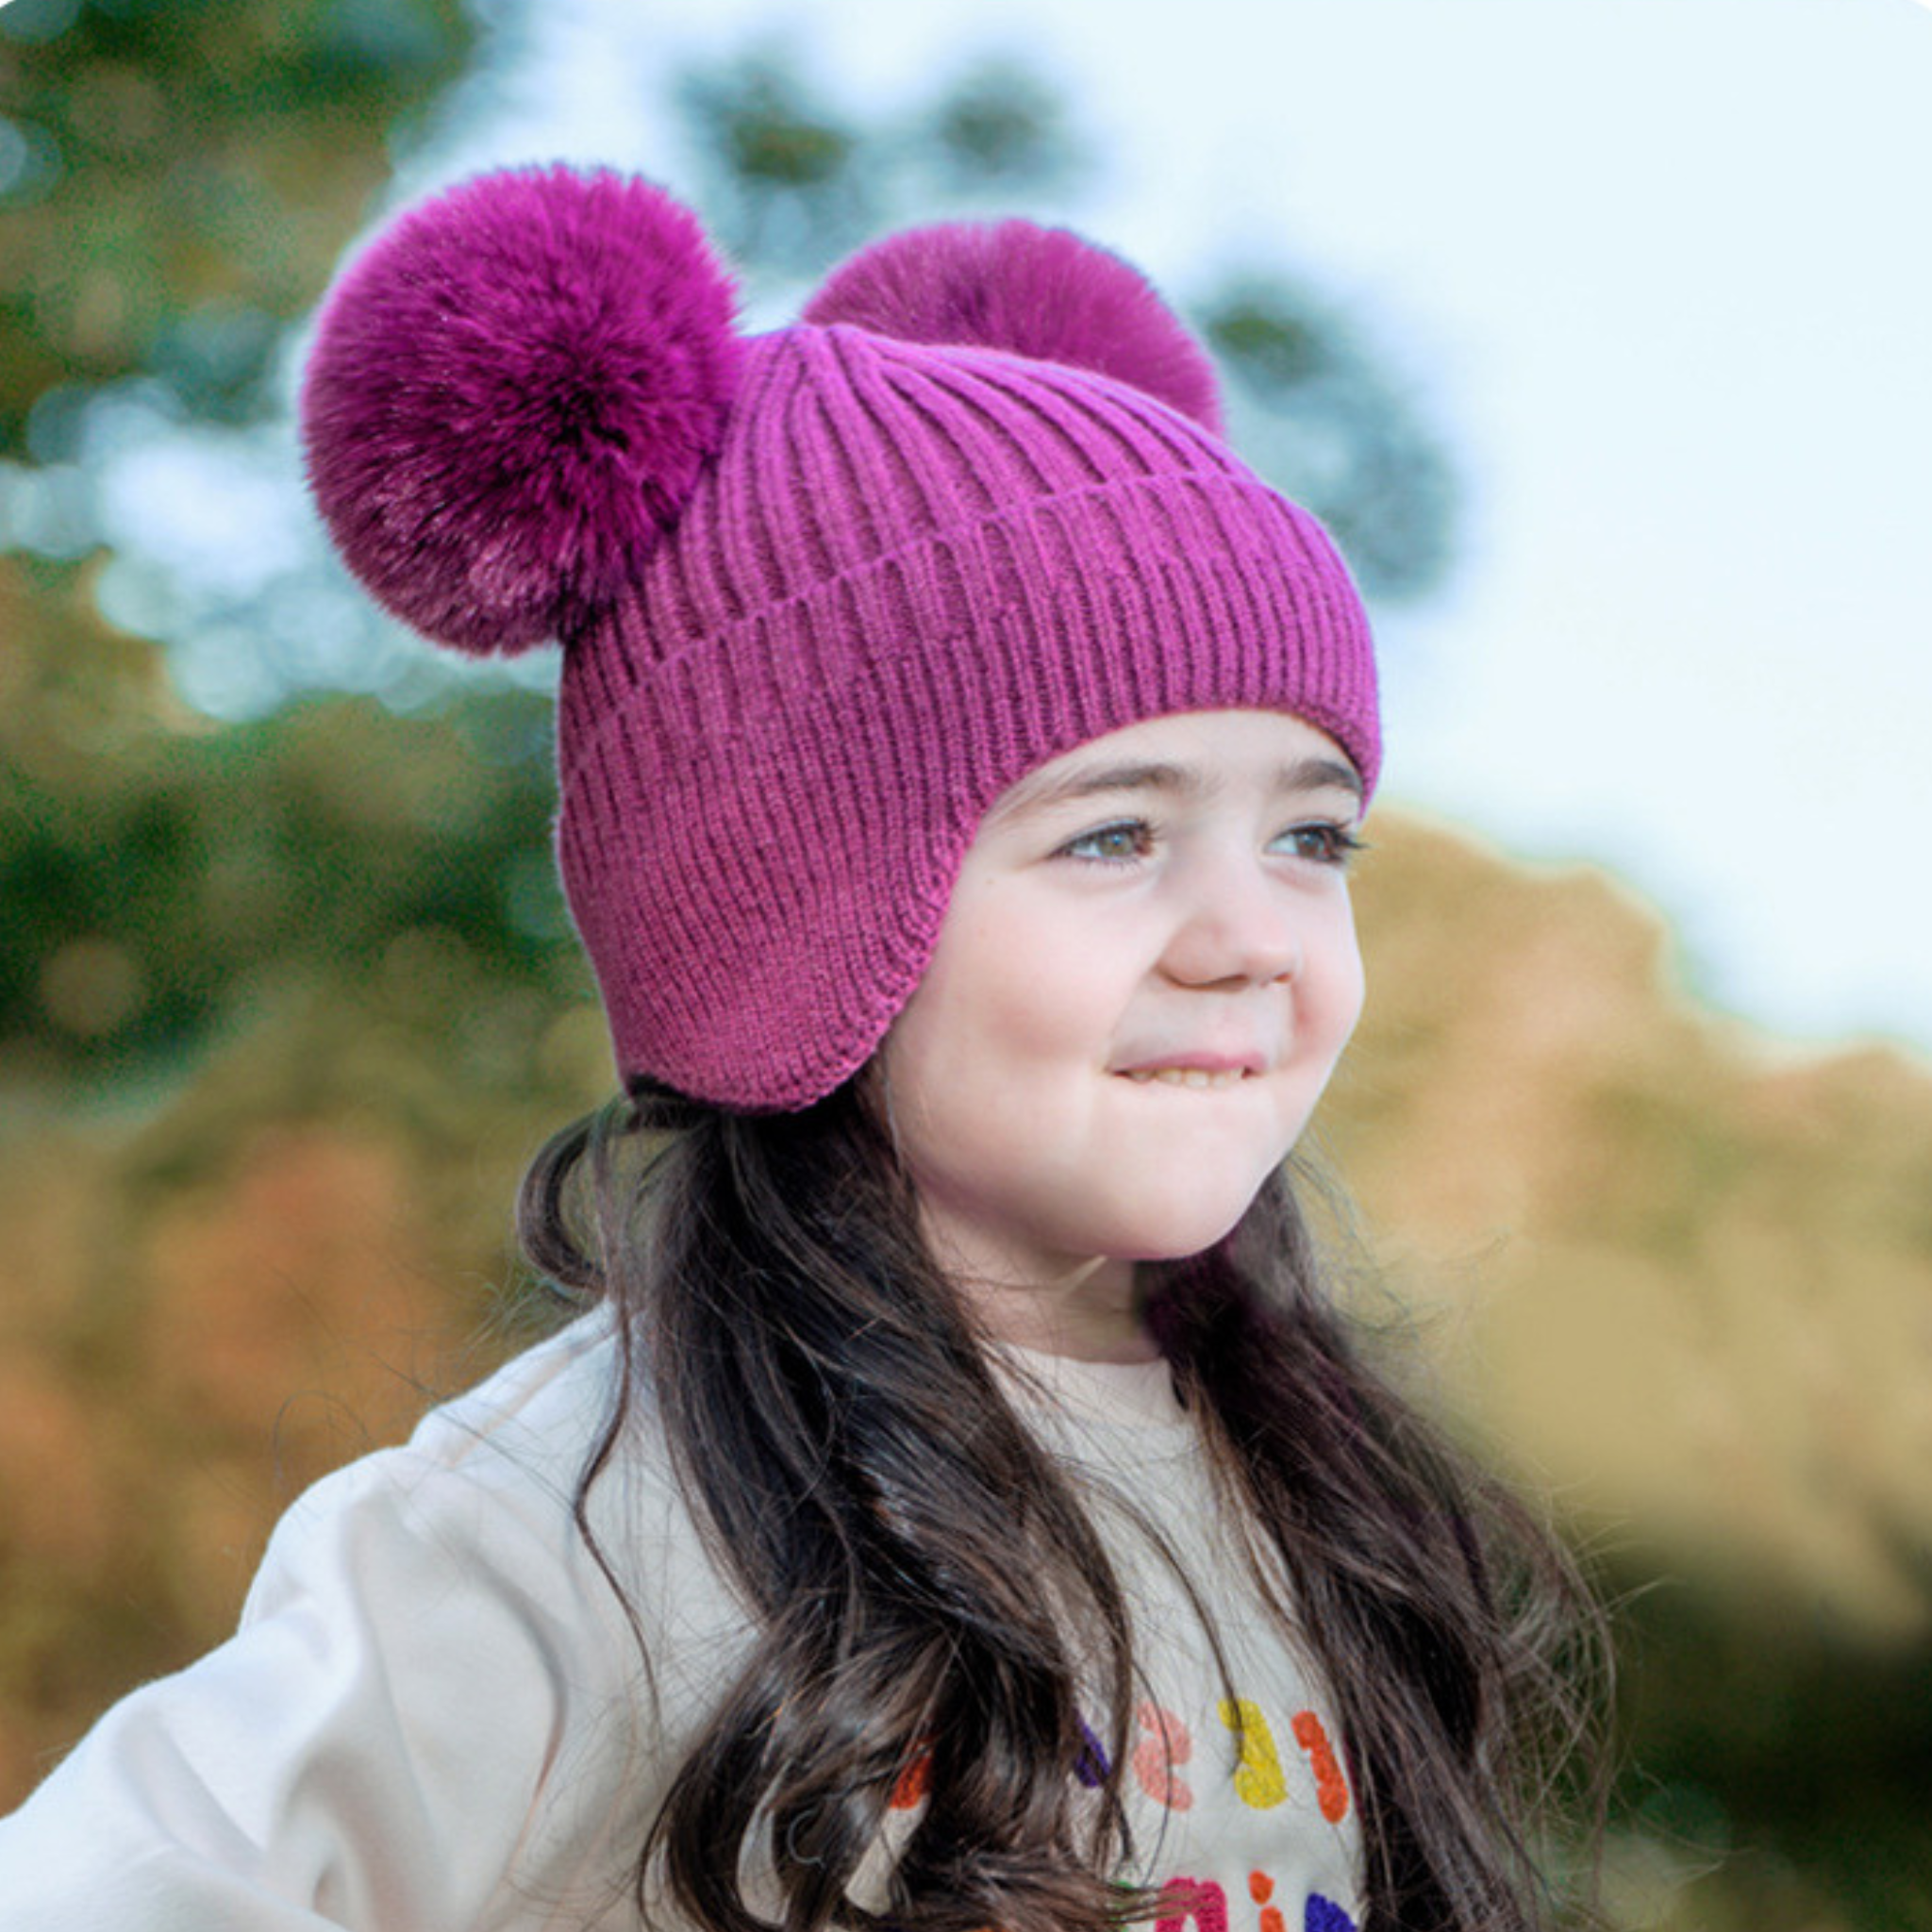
[1188, 1076]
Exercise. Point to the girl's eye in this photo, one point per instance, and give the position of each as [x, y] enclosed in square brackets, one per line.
[1326, 843]
[1113, 844]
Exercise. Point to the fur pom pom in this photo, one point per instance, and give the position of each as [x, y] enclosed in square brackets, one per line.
[1042, 292]
[511, 395]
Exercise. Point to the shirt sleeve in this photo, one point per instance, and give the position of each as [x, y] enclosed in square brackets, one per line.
[427, 1655]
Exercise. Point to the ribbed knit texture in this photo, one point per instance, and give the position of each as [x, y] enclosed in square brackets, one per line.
[912, 575]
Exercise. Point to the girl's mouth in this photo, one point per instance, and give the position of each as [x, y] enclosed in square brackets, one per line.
[1190, 1076]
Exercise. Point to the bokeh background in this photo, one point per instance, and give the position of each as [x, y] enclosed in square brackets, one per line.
[1597, 332]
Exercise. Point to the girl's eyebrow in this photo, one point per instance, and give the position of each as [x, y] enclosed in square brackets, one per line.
[1181, 781]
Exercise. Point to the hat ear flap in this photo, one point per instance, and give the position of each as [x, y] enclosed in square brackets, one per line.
[512, 394]
[1043, 293]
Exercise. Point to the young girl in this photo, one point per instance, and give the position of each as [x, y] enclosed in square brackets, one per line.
[957, 1505]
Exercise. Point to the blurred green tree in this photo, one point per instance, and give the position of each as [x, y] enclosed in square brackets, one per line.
[1788, 1755]
[160, 874]
[1330, 424]
[791, 178]
[175, 183]
[175, 178]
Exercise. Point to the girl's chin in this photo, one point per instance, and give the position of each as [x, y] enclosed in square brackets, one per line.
[1182, 1235]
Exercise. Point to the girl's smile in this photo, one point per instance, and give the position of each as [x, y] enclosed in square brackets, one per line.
[1146, 973]
[1192, 1073]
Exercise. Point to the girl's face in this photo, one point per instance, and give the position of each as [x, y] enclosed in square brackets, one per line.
[1143, 981]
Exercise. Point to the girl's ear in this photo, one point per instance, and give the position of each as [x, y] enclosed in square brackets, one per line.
[512, 394]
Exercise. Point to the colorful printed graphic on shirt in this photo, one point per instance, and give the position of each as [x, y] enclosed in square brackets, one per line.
[1172, 1770]
[1200, 1905]
[1244, 1758]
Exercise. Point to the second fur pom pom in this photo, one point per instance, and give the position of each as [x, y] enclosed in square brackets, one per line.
[1013, 286]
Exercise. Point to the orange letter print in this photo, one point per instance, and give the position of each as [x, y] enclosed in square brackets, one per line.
[1262, 1889]
[913, 1781]
[1331, 1788]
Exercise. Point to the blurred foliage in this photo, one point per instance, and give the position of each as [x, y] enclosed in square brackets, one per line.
[159, 873]
[284, 1007]
[1680, 1279]
[1784, 1754]
[177, 176]
[791, 178]
[1331, 427]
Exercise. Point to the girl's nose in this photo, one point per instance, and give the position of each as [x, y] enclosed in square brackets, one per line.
[1236, 927]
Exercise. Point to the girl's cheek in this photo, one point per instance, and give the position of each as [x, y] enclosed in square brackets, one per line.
[1348, 991]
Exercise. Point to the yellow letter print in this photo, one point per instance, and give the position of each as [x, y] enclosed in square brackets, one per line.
[1259, 1781]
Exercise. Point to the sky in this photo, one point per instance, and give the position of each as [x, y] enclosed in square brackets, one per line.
[1661, 275]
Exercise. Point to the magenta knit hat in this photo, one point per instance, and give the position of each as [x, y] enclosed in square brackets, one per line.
[822, 594]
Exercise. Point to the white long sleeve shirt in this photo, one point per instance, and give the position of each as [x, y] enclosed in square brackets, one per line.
[436, 1716]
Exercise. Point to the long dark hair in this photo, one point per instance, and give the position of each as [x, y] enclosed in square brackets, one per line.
[928, 1587]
